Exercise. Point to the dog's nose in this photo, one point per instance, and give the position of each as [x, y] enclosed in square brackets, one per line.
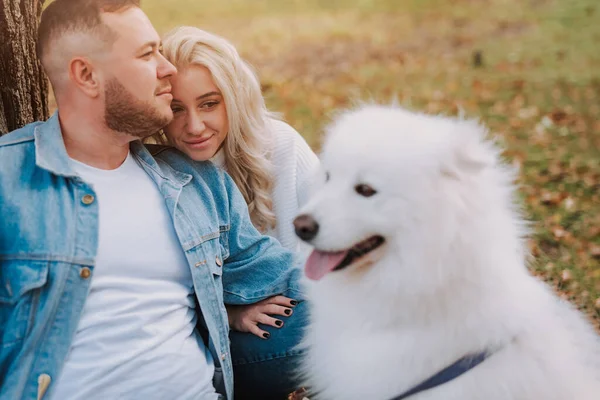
[306, 227]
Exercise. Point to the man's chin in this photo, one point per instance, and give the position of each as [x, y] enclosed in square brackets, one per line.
[166, 113]
[161, 117]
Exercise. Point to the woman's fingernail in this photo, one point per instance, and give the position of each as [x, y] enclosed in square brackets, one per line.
[278, 323]
[294, 302]
[287, 311]
[266, 335]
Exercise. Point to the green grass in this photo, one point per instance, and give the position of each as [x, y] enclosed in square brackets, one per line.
[538, 90]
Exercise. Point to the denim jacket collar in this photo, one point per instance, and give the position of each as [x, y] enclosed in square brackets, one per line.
[141, 153]
[50, 151]
[51, 154]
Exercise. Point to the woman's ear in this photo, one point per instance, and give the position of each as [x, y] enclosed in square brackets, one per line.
[82, 73]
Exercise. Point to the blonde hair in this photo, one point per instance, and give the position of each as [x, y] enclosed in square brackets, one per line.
[248, 142]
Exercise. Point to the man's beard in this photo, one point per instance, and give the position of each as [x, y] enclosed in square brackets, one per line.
[125, 113]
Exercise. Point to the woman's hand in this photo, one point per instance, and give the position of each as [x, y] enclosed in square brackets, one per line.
[246, 318]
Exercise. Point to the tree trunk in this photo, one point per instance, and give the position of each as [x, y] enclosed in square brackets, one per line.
[23, 84]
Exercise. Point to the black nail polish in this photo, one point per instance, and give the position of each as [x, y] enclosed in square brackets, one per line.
[294, 302]
[278, 323]
[266, 335]
[287, 311]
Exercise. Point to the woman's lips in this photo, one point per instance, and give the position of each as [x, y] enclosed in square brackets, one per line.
[200, 143]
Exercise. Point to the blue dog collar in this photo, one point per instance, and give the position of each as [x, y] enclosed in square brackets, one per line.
[449, 373]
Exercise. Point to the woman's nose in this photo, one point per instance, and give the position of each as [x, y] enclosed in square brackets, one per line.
[195, 124]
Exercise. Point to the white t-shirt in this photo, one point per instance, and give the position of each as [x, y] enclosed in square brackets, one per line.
[136, 338]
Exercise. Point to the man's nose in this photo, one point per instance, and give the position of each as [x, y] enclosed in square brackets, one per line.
[306, 227]
[165, 68]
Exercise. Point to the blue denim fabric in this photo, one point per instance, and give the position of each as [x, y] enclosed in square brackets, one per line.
[49, 239]
[268, 369]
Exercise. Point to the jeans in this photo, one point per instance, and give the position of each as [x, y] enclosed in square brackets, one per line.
[267, 369]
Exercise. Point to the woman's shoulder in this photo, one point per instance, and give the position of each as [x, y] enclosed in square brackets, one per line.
[283, 131]
[288, 139]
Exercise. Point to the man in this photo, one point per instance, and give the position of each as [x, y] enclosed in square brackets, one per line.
[110, 258]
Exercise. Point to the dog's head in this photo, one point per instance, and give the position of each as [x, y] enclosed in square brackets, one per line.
[398, 185]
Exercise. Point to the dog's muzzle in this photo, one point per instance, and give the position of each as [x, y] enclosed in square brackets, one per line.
[306, 227]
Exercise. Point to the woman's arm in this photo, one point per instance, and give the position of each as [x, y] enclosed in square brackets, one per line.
[258, 266]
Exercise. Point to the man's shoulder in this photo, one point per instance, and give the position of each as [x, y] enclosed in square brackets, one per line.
[19, 136]
[161, 150]
[17, 152]
[16, 148]
[206, 177]
[180, 161]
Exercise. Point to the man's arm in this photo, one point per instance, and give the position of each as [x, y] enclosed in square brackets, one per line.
[258, 266]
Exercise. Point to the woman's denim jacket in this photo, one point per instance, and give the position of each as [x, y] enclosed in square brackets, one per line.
[49, 238]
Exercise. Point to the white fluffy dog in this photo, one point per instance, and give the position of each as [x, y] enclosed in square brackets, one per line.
[420, 261]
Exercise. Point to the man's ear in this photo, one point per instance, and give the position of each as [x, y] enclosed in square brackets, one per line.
[82, 73]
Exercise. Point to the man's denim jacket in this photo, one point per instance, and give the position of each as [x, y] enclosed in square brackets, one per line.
[49, 239]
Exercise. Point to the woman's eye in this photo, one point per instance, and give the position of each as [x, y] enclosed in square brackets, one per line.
[365, 190]
[209, 105]
[176, 110]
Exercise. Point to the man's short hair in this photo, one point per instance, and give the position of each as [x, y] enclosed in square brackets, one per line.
[70, 16]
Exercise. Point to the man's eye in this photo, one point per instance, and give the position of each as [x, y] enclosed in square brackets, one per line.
[146, 55]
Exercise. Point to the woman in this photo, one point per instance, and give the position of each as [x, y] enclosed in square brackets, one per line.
[220, 115]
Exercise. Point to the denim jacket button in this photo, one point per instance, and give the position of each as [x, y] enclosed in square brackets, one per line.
[87, 199]
[43, 383]
[223, 356]
[218, 261]
[85, 272]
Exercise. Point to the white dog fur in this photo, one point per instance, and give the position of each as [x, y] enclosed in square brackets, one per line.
[451, 278]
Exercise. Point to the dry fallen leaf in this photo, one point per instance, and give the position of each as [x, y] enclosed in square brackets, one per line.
[566, 275]
[595, 250]
[299, 394]
[558, 116]
[569, 203]
[559, 232]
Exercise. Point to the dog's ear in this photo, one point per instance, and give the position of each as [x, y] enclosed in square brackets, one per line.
[470, 153]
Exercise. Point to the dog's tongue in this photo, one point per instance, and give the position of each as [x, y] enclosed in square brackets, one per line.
[319, 263]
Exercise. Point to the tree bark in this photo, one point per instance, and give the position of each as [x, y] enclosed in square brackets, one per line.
[23, 84]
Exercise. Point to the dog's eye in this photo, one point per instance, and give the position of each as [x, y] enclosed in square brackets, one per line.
[365, 190]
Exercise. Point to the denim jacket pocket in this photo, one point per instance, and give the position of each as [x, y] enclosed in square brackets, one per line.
[20, 287]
